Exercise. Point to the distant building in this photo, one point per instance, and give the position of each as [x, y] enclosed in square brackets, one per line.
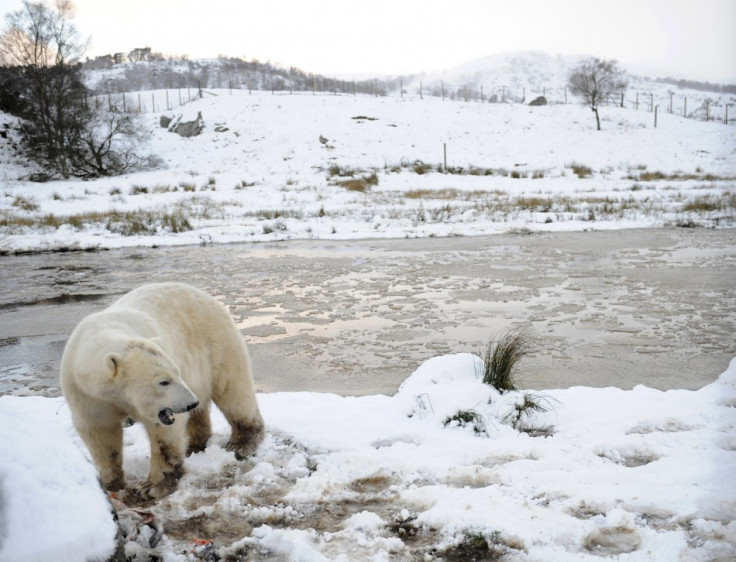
[140, 54]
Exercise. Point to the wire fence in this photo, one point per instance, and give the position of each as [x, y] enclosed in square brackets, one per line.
[710, 109]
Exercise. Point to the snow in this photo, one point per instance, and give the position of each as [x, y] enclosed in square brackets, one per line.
[51, 504]
[259, 173]
[640, 474]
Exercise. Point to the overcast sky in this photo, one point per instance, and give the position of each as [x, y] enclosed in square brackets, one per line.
[683, 38]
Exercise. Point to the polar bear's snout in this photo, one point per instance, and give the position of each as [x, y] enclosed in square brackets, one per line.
[166, 416]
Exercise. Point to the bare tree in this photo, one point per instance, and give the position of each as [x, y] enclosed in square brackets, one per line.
[597, 81]
[60, 129]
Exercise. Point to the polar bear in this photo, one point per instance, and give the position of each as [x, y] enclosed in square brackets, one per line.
[161, 354]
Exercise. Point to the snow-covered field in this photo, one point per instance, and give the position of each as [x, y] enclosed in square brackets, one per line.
[630, 475]
[260, 172]
[627, 475]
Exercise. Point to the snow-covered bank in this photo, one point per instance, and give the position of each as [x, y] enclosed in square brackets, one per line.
[260, 172]
[637, 475]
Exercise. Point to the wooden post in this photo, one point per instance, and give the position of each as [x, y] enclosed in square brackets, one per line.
[481, 93]
[125, 109]
[444, 149]
[684, 110]
[725, 120]
[651, 102]
[153, 103]
[167, 100]
[671, 94]
[655, 115]
[139, 102]
[109, 102]
[401, 88]
[637, 101]
[707, 111]
[503, 95]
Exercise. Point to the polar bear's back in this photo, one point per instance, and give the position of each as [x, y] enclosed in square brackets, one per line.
[178, 309]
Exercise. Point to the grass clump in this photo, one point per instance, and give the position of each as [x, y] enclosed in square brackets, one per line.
[501, 359]
[25, 203]
[581, 171]
[467, 417]
[521, 417]
[360, 184]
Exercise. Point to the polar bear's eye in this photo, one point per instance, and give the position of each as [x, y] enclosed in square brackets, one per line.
[164, 383]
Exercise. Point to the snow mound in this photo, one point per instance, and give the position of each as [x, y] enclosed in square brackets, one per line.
[52, 506]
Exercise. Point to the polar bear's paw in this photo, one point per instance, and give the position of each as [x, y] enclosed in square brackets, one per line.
[245, 439]
[157, 490]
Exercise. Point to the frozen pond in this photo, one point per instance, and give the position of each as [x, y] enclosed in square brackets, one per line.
[615, 308]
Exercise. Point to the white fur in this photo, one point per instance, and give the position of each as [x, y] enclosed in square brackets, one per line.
[162, 346]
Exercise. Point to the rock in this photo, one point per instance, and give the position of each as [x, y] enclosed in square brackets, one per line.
[165, 121]
[541, 100]
[187, 128]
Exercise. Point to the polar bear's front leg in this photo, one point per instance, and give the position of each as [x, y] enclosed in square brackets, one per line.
[105, 444]
[167, 460]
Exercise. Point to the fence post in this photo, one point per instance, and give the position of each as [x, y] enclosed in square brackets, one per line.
[153, 103]
[139, 102]
[707, 111]
[671, 102]
[726, 118]
[125, 109]
[684, 111]
[444, 150]
[481, 93]
[656, 107]
[637, 101]
[622, 99]
[503, 95]
[651, 102]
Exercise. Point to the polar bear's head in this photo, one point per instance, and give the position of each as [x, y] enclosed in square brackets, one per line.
[149, 382]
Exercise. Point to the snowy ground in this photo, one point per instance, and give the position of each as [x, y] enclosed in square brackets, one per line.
[630, 475]
[637, 475]
[260, 172]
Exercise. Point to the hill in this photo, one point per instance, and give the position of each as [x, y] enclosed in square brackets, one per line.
[275, 166]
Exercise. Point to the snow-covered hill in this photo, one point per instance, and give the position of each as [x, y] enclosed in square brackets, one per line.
[260, 171]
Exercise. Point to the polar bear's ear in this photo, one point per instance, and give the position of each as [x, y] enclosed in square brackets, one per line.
[112, 365]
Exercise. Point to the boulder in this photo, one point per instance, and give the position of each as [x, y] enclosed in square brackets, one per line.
[541, 100]
[187, 128]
